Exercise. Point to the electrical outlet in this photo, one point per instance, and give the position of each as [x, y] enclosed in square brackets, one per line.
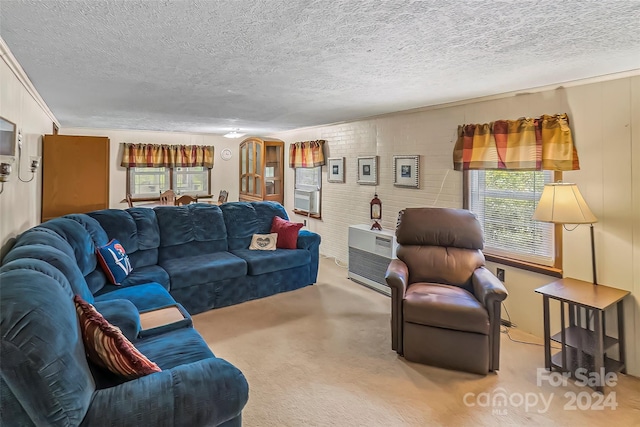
[500, 274]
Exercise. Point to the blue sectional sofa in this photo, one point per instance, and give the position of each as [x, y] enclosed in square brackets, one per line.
[195, 257]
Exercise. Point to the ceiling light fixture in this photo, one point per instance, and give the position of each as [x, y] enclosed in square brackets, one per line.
[234, 134]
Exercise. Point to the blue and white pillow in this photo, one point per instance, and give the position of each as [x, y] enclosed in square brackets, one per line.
[114, 261]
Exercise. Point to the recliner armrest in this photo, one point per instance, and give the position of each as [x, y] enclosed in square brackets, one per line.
[203, 393]
[487, 288]
[397, 276]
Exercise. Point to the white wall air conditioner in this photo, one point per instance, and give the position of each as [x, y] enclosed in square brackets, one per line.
[306, 201]
[370, 252]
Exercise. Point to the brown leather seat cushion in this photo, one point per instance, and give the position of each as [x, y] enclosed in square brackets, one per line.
[445, 306]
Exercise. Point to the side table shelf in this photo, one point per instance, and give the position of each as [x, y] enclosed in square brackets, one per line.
[578, 337]
[583, 345]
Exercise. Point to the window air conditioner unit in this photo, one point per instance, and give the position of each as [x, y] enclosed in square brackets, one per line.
[370, 252]
[306, 201]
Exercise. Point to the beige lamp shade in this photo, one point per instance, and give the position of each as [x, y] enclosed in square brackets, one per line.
[562, 203]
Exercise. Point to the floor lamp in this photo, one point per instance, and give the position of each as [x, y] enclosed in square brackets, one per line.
[562, 203]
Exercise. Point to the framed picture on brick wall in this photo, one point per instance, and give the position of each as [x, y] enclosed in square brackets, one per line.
[406, 171]
[368, 170]
[336, 169]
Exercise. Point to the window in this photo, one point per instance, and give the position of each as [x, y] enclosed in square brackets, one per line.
[308, 182]
[191, 180]
[150, 182]
[504, 202]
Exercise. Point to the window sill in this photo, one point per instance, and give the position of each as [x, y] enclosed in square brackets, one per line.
[305, 213]
[523, 265]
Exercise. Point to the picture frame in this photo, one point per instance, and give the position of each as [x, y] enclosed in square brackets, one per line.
[7, 138]
[368, 170]
[406, 171]
[335, 169]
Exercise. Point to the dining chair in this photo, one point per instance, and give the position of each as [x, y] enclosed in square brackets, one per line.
[185, 200]
[222, 198]
[168, 197]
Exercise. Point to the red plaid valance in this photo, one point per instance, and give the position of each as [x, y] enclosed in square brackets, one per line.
[523, 144]
[155, 155]
[307, 154]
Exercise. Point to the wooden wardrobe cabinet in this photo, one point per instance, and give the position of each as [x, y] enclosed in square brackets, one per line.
[262, 170]
[75, 174]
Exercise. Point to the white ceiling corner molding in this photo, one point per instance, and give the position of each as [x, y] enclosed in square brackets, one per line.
[18, 71]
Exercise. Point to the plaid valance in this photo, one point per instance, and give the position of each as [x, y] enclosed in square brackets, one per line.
[524, 144]
[306, 154]
[156, 155]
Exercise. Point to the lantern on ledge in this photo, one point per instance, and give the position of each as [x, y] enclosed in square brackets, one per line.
[376, 212]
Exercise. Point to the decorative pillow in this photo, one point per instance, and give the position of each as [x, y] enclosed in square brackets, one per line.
[106, 346]
[114, 261]
[264, 242]
[287, 232]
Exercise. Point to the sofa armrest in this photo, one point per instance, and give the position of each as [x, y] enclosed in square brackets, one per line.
[123, 314]
[308, 240]
[487, 288]
[204, 393]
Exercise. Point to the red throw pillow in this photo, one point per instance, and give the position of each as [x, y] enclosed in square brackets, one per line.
[287, 232]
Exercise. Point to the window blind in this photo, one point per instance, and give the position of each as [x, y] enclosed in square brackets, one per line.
[504, 202]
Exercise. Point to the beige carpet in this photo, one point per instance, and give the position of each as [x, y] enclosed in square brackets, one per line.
[321, 356]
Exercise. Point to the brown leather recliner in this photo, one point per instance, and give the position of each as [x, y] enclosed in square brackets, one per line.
[445, 304]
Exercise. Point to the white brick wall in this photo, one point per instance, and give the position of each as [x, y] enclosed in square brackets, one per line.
[426, 134]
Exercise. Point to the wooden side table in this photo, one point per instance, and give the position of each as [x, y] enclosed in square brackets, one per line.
[581, 345]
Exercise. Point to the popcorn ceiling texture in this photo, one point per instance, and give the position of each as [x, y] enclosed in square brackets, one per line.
[272, 65]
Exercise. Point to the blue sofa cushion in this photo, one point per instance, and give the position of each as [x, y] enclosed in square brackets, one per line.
[147, 227]
[241, 220]
[148, 274]
[205, 268]
[143, 258]
[144, 297]
[44, 236]
[120, 225]
[174, 348]
[260, 262]
[80, 240]
[198, 224]
[93, 227]
[114, 261]
[57, 259]
[136, 229]
[265, 211]
[46, 369]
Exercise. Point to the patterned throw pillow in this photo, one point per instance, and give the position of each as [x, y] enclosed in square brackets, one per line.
[114, 261]
[264, 242]
[287, 232]
[106, 346]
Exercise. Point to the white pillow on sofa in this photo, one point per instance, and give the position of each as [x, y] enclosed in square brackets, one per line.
[264, 242]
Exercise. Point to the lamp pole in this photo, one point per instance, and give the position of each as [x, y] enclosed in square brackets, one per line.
[593, 256]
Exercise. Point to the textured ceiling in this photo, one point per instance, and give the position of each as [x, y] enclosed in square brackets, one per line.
[269, 65]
